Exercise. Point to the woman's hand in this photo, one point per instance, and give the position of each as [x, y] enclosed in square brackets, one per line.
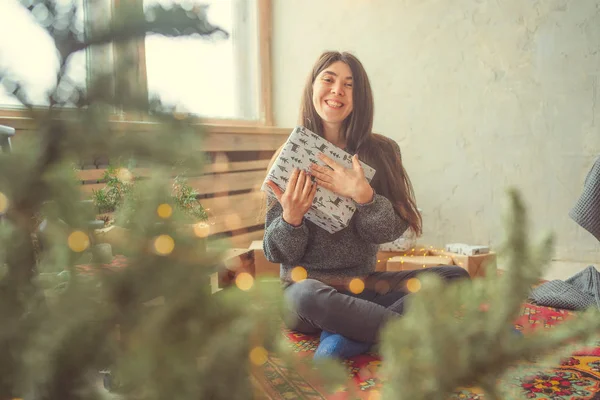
[297, 198]
[347, 182]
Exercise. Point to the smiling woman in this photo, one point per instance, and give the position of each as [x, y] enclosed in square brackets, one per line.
[338, 298]
[332, 97]
[340, 78]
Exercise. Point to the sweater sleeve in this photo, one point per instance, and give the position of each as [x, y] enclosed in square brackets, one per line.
[377, 221]
[283, 243]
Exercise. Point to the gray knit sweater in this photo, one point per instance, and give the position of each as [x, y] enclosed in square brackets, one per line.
[332, 258]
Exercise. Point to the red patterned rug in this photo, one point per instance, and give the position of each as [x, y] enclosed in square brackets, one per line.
[577, 377]
[118, 262]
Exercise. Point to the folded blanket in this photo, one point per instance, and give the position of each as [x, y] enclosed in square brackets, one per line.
[578, 292]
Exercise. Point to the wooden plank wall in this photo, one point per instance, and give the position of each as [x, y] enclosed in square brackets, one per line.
[228, 186]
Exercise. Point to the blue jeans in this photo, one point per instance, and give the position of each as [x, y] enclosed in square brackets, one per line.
[316, 306]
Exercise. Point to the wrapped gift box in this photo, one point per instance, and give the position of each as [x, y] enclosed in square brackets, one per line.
[234, 262]
[417, 261]
[329, 211]
[467, 249]
[429, 256]
[404, 243]
[262, 266]
[476, 264]
[383, 257]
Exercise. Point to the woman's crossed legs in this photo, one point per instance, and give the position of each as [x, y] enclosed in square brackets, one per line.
[317, 307]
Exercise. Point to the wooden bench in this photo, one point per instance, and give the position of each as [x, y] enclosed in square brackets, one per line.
[228, 186]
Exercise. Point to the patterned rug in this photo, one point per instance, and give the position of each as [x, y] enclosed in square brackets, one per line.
[577, 377]
[118, 262]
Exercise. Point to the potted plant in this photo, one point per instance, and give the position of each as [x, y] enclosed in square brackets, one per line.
[124, 193]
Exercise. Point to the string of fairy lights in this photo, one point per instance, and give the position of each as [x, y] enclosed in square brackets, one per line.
[163, 245]
[3, 203]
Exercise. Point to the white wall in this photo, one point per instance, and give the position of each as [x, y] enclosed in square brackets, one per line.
[479, 95]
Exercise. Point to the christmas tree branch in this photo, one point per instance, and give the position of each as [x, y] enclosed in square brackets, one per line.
[196, 344]
[43, 187]
[480, 345]
[129, 23]
[15, 89]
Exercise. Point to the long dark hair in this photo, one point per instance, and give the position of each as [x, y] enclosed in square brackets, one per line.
[380, 152]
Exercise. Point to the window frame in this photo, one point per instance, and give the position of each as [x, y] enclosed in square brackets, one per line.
[19, 115]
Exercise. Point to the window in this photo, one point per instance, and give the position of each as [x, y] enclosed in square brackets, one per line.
[27, 55]
[215, 78]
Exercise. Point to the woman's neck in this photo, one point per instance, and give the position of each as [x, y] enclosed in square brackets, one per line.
[333, 134]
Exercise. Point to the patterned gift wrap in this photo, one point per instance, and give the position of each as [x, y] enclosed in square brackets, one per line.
[329, 211]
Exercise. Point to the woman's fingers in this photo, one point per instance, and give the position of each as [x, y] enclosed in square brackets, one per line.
[330, 163]
[300, 184]
[313, 192]
[323, 176]
[356, 166]
[293, 179]
[300, 190]
[326, 185]
[321, 172]
[276, 190]
[308, 185]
